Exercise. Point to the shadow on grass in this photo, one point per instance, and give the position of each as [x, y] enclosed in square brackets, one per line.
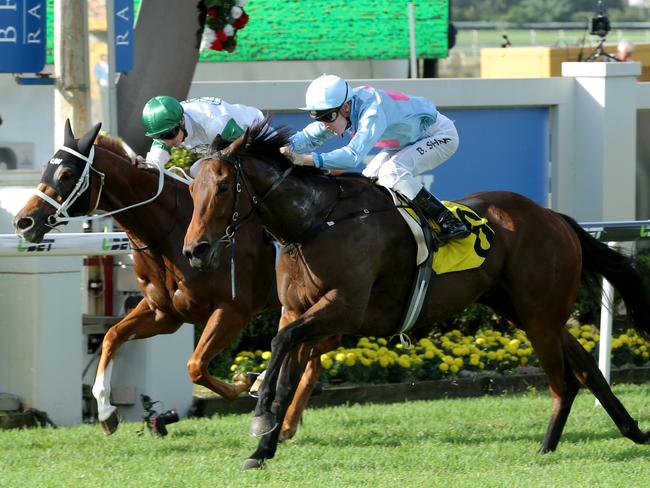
[632, 452]
[567, 437]
[380, 438]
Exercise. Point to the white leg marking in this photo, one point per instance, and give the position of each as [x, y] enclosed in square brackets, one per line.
[102, 393]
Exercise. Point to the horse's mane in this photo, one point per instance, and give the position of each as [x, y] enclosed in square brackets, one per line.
[266, 141]
[263, 137]
[113, 145]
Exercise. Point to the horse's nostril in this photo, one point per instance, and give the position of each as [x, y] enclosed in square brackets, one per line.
[24, 223]
[201, 250]
[187, 253]
[198, 251]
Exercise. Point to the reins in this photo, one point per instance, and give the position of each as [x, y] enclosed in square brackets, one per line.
[240, 178]
[174, 224]
[236, 221]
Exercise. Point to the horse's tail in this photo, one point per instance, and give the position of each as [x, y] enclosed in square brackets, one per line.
[620, 271]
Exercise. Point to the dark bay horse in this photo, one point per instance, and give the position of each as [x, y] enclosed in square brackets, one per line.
[174, 292]
[349, 266]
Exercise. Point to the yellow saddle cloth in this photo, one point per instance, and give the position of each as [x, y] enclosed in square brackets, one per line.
[468, 252]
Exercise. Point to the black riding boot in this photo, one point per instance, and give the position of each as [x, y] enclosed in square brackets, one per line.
[432, 207]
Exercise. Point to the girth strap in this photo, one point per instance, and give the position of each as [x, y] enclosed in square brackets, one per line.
[312, 232]
[420, 284]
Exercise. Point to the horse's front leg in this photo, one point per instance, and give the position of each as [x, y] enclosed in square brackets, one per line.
[140, 323]
[306, 386]
[220, 331]
[323, 319]
[290, 373]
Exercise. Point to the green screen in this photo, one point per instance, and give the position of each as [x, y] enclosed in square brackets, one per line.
[337, 29]
[327, 29]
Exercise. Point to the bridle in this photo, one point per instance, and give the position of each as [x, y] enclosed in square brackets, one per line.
[236, 221]
[82, 185]
[61, 215]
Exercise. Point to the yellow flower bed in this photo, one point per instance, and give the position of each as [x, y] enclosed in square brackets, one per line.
[375, 360]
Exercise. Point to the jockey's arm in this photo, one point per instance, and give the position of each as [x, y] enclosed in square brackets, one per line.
[159, 153]
[298, 159]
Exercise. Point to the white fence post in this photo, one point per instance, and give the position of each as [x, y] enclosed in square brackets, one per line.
[606, 320]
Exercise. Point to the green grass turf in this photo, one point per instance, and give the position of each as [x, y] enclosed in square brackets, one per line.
[481, 442]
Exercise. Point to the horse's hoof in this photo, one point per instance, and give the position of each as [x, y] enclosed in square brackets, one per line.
[251, 377]
[109, 426]
[247, 378]
[256, 384]
[251, 463]
[263, 424]
[286, 434]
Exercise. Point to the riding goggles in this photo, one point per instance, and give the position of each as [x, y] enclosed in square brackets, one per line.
[328, 115]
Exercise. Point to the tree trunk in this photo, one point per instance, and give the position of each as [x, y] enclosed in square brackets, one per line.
[166, 53]
[72, 94]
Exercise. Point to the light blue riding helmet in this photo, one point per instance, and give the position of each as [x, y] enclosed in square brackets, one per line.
[327, 92]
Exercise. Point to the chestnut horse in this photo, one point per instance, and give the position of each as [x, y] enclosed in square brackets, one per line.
[349, 266]
[174, 292]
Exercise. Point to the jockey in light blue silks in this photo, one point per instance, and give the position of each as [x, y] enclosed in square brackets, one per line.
[413, 136]
[192, 124]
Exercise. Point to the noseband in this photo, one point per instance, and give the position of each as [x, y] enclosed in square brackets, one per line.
[83, 185]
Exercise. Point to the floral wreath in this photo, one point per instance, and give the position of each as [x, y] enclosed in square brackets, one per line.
[222, 21]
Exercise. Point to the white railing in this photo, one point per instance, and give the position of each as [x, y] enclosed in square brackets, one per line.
[72, 244]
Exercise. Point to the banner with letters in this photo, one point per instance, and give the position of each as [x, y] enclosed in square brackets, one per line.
[124, 46]
[23, 36]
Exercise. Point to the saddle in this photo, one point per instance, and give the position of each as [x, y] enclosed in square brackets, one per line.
[456, 255]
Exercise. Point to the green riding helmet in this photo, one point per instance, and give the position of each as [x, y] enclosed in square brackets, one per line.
[160, 115]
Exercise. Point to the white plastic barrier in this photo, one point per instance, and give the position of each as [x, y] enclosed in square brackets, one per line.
[43, 343]
[73, 244]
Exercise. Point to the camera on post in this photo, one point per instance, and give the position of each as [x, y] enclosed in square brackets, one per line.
[599, 25]
[156, 423]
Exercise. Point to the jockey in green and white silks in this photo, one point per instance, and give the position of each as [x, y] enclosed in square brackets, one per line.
[192, 124]
[412, 135]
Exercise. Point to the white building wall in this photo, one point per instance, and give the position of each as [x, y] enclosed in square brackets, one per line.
[300, 70]
[27, 121]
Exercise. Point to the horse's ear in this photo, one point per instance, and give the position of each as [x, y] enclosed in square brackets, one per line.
[86, 142]
[247, 137]
[218, 143]
[68, 136]
[238, 144]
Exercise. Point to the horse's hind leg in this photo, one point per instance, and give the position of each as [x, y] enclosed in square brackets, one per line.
[140, 323]
[563, 385]
[586, 370]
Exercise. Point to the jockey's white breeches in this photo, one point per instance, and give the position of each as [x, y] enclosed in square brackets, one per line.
[396, 169]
